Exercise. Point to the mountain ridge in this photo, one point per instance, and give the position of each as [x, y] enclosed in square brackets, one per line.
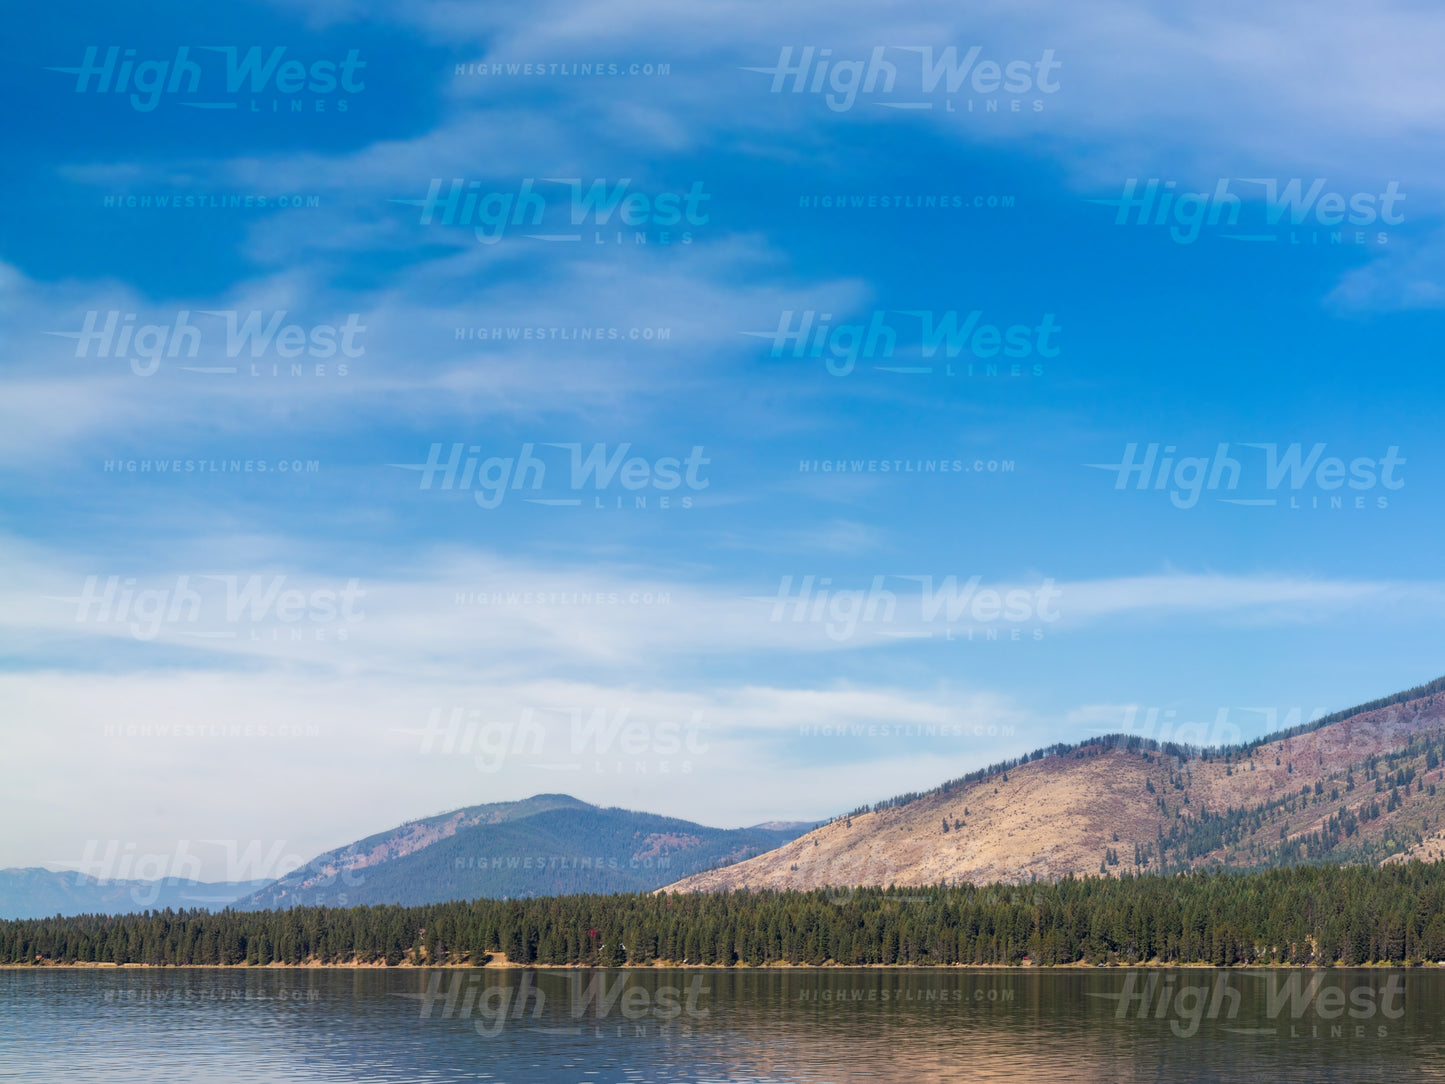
[546, 844]
[533, 846]
[35, 892]
[1122, 803]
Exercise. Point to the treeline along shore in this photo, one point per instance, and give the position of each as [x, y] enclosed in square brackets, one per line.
[1303, 915]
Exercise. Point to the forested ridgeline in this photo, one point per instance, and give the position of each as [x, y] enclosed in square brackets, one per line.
[1430, 694]
[1299, 915]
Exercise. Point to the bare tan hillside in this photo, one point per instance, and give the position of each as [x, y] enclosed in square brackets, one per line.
[1370, 784]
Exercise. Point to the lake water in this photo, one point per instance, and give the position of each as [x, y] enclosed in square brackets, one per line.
[597, 1026]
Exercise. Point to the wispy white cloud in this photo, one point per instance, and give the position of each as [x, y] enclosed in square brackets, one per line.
[1411, 275]
[623, 702]
[454, 612]
[419, 341]
[1290, 86]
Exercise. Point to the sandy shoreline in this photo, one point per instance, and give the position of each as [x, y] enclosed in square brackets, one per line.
[503, 965]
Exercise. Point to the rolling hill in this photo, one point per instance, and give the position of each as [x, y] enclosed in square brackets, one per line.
[1362, 785]
[544, 845]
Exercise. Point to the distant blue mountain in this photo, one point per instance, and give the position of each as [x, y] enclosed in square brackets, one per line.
[41, 893]
[544, 845]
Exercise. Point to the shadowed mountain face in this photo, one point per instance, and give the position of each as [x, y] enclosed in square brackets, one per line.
[42, 893]
[1360, 786]
[545, 845]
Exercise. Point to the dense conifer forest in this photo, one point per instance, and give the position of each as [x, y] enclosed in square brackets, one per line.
[1301, 915]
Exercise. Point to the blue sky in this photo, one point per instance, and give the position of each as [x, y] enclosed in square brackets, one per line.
[313, 623]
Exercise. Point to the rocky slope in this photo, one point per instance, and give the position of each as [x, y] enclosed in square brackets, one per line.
[1360, 786]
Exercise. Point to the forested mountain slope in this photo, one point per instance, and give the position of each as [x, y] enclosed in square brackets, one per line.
[1357, 786]
[544, 845]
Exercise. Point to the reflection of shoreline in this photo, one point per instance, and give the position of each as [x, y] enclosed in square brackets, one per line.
[498, 964]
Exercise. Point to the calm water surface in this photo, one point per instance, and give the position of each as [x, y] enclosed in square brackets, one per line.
[597, 1026]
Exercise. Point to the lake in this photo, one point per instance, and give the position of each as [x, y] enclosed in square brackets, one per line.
[424, 1025]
